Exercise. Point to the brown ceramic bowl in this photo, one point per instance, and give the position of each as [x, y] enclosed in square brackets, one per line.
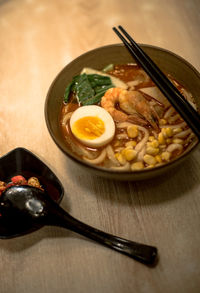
[97, 59]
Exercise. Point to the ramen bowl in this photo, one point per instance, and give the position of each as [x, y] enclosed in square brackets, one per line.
[168, 62]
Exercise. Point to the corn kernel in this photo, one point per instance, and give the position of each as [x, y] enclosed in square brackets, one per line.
[168, 140]
[162, 122]
[165, 156]
[130, 154]
[164, 132]
[131, 143]
[123, 151]
[120, 157]
[177, 130]
[152, 151]
[151, 138]
[117, 155]
[162, 146]
[149, 144]
[169, 131]
[161, 139]
[132, 131]
[137, 166]
[158, 159]
[178, 140]
[150, 160]
[154, 143]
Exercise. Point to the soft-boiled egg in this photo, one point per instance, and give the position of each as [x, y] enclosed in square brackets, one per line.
[92, 125]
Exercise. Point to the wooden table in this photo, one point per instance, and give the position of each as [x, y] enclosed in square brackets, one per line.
[38, 38]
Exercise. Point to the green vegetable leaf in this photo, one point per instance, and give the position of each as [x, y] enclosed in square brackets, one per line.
[96, 80]
[82, 87]
[102, 88]
[97, 98]
[67, 92]
[89, 88]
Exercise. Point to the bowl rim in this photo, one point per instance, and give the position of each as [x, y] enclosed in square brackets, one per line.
[103, 169]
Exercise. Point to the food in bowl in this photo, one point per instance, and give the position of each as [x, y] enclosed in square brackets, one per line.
[118, 119]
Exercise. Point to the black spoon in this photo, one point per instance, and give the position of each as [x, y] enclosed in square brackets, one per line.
[29, 206]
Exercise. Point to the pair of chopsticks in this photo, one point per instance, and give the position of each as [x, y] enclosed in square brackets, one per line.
[182, 106]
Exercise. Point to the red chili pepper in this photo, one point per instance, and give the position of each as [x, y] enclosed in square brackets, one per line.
[19, 180]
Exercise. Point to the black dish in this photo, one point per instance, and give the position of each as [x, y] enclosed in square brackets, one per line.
[24, 208]
[20, 161]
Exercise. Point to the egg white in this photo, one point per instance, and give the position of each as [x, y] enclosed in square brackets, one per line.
[101, 113]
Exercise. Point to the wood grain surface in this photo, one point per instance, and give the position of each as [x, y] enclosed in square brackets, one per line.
[38, 38]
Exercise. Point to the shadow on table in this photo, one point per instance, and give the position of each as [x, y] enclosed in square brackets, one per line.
[21, 243]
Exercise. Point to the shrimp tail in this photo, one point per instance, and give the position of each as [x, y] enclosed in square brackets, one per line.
[135, 118]
[153, 118]
[143, 108]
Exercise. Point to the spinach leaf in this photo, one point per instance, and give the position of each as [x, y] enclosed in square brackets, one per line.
[96, 80]
[89, 88]
[102, 88]
[67, 92]
[82, 87]
[97, 98]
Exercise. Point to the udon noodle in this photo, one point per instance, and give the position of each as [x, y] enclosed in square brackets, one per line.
[148, 132]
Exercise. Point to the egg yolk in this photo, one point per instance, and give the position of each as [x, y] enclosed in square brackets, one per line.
[88, 127]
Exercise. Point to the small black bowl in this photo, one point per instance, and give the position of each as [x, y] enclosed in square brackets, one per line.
[20, 161]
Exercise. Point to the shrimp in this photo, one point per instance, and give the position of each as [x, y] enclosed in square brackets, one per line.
[132, 103]
[109, 101]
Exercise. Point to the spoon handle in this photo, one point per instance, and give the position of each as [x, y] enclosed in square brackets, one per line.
[140, 252]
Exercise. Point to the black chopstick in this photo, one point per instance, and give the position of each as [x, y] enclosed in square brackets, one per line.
[182, 106]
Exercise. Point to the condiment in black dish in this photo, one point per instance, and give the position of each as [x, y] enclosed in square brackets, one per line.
[20, 161]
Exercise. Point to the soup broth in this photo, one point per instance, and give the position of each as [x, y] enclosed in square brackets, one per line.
[148, 131]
